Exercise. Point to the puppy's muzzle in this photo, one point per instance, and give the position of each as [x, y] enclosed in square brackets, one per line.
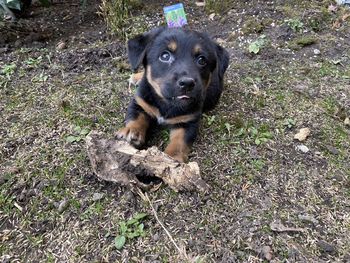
[186, 84]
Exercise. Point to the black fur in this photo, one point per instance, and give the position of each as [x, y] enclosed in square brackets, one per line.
[173, 98]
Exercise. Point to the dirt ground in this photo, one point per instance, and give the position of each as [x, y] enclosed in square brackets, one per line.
[272, 197]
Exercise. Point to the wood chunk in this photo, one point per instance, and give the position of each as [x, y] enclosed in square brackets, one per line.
[119, 162]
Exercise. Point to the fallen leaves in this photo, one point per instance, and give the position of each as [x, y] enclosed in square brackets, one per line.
[302, 134]
[345, 16]
[332, 8]
[338, 22]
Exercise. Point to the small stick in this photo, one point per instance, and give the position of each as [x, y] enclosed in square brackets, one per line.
[146, 198]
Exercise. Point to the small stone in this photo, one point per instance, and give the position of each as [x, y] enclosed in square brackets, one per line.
[129, 197]
[346, 258]
[231, 37]
[63, 205]
[317, 51]
[308, 218]
[266, 253]
[3, 179]
[3, 50]
[223, 20]
[155, 237]
[211, 16]
[38, 44]
[347, 121]
[326, 247]
[332, 149]
[18, 43]
[303, 148]
[97, 196]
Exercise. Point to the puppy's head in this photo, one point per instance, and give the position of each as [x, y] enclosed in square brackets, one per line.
[179, 63]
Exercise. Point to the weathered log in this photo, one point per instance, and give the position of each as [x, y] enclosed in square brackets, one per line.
[120, 162]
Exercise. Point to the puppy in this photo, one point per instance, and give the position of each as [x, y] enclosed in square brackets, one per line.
[183, 77]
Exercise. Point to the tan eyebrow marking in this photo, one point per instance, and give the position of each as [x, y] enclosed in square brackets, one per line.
[172, 46]
[197, 49]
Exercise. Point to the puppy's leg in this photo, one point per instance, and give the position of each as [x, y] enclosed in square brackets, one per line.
[181, 140]
[137, 123]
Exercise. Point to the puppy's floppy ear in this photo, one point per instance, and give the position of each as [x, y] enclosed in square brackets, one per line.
[137, 46]
[223, 59]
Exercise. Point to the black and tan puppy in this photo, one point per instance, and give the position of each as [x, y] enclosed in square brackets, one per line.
[183, 77]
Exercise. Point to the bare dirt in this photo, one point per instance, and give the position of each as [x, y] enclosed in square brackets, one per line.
[272, 198]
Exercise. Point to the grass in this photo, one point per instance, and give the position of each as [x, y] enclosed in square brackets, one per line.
[302, 41]
[218, 7]
[253, 26]
[118, 17]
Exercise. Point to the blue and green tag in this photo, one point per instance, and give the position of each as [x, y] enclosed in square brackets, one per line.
[175, 15]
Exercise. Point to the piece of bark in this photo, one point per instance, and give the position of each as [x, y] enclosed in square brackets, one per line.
[118, 161]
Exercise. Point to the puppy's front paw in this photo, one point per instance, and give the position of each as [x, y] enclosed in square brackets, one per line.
[133, 135]
[179, 156]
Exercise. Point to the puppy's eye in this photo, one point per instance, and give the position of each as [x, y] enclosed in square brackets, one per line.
[165, 56]
[201, 61]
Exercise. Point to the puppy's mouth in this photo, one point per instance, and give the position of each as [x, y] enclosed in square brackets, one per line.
[183, 97]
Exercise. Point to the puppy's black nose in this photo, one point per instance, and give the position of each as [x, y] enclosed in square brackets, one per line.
[186, 84]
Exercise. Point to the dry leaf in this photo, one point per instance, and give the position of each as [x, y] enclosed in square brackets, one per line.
[302, 134]
[332, 8]
[61, 45]
[346, 16]
[211, 16]
[336, 24]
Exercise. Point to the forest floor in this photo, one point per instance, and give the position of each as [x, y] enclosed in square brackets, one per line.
[272, 198]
